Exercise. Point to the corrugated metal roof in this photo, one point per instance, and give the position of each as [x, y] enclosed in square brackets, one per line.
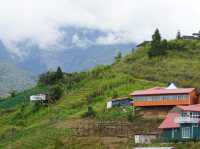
[169, 121]
[162, 91]
[195, 108]
[121, 98]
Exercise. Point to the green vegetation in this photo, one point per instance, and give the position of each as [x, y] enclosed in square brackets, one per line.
[20, 98]
[51, 77]
[13, 93]
[55, 92]
[158, 46]
[118, 56]
[28, 125]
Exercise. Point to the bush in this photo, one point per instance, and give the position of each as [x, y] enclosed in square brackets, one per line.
[114, 94]
[13, 93]
[130, 116]
[90, 112]
[118, 56]
[20, 116]
[36, 107]
[55, 92]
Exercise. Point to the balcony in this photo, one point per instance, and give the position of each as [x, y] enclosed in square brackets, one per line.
[186, 120]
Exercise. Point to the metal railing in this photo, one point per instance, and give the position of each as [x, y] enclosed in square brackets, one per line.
[182, 119]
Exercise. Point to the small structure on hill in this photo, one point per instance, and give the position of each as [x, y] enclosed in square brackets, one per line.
[182, 123]
[192, 37]
[145, 138]
[165, 96]
[143, 43]
[119, 102]
[39, 98]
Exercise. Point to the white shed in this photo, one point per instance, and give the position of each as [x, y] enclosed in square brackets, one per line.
[109, 104]
[145, 138]
[39, 97]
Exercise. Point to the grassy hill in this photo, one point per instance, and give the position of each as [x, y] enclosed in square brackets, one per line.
[26, 125]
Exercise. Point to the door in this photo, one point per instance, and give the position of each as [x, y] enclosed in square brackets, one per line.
[195, 132]
[185, 132]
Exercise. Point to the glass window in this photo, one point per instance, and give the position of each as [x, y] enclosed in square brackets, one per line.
[185, 132]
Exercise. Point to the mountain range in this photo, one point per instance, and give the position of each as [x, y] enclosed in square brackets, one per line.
[79, 49]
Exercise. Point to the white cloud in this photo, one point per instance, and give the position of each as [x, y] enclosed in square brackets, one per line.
[78, 42]
[114, 38]
[125, 20]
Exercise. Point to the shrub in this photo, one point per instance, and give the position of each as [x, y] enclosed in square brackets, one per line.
[20, 116]
[36, 107]
[13, 93]
[118, 56]
[55, 92]
[114, 94]
[130, 116]
[90, 112]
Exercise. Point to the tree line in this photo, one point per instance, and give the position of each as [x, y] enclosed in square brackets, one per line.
[159, 46]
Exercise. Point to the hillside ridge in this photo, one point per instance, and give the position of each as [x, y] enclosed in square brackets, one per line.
[94, 88]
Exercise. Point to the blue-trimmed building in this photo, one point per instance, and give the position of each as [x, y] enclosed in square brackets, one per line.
[182, 123]
[120, 102]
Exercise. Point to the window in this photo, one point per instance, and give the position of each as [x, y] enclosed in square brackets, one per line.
[194, 114]
[172, 132]
[161, 97]
[184, 114]
[185, 132]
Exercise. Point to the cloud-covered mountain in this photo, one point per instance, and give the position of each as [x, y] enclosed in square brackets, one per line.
[78, 50]
[13, 78]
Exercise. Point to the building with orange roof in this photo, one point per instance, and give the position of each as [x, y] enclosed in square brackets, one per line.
[165, 96]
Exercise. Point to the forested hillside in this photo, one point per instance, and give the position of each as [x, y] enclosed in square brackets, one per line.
[85, 95]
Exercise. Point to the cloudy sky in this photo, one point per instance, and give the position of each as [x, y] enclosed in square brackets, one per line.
[124, 20]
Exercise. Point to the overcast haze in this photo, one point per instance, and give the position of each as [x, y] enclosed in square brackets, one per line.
[124, 20]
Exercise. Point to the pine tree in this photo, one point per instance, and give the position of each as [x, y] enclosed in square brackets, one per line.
[158, 47]
[178, 35]
[156, 37]
[59, 74]
[119, 56]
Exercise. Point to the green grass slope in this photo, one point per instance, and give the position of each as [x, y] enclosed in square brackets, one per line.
[33, 124]
[25, 125]
[180, 65]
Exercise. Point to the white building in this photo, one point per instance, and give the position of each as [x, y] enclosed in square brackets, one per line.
[38, 97]
[145, 138]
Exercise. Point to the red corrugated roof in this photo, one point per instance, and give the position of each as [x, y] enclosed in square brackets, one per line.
[163, 91]
[195, 108]
[169, 121]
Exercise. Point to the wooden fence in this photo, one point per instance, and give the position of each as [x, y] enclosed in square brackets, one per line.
[105, 129]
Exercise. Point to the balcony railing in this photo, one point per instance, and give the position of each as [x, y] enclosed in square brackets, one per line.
[186, 120]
